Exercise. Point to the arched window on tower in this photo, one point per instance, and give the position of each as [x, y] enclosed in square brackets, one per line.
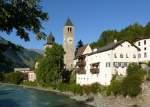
[70, 29]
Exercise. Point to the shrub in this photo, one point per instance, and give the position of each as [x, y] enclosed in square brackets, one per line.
[115, 88]
[1, 77]
[135, 69]
[76, 89]
[148, 76]
[87, 89]
[14, 77]
[29, 83]
[96, 88]
[131, 86]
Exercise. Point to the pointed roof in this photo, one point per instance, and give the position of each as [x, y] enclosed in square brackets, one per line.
[68, 22]
[50, 39]
[81, 50]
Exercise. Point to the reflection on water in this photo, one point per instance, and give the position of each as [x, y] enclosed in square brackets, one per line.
[13, 96]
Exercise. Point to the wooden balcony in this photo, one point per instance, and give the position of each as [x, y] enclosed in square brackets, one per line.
[81, 63]
[94, 70]
[80, 71]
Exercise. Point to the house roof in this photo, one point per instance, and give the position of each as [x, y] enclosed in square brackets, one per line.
[111, 46]
[81, 51]
[68, 22]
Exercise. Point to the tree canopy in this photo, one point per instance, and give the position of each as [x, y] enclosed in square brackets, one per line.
[51, 65]
[130, 33]
[79, 45]
[23, 16]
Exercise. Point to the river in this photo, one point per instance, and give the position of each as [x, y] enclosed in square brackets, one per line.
[15, 96]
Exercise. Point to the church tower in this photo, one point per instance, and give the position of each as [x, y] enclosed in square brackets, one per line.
[69, 44]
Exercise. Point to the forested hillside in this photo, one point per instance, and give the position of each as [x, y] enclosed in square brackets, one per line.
[131, 33]
[12, 55]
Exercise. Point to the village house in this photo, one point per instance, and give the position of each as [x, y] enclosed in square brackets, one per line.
[28, 74]
[144, 52]
[100, 64]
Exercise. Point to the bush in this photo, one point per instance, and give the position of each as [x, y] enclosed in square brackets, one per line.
[131, 86]
[29, 83]
[96, 88]
[148, 76]
[135, 69]
[115, 88]
[2, 77]
[14, 77]
[66, 87]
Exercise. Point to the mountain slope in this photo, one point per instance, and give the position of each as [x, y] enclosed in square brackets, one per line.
[12, 56]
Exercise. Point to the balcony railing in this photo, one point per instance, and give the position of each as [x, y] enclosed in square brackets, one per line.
[81, 63]
[80, 71]
[94, 70]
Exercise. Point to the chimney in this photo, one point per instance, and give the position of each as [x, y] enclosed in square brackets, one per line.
[94, 50]
[115, 41]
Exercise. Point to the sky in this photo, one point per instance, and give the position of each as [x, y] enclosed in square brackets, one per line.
[90, 19]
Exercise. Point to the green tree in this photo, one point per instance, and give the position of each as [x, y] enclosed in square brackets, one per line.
[1, 76]
[147, 30]
[14, 77]
[51, 65]
[22, 15]
[135, 69]
[130, 33]
[131, 84]
[79, 45]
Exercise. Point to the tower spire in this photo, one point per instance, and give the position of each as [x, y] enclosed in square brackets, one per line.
[69, 22]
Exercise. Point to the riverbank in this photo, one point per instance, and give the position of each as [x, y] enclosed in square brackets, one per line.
[99, 100]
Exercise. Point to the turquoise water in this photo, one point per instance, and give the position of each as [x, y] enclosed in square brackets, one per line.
[14, 96]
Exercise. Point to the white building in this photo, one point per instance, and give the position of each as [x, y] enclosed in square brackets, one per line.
[100, 65]
[22, 70]
[30, 75]
[144, 52]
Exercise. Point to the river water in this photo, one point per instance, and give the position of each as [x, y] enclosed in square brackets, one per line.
[14, 96]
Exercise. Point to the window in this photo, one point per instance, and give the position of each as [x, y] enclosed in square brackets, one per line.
[69, 29]
[139, 55]
[144, 42]
[145, 48]
[107, 64]
[116, 64]
[134, 56]
[115, 56]
[125, 64]
[139, 43]
[127, 56]
[121, 55]
[145, 55]
[122, 64]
